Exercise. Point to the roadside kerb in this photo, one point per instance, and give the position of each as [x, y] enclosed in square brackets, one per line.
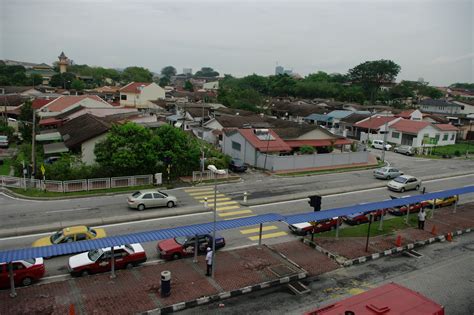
[334, 191]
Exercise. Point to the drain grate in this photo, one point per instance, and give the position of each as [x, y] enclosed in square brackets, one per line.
[298, 288]
[414, 253]
[282, 270]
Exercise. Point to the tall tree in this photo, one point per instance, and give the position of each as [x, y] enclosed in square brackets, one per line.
[78, 85]
[206, 72]
[137, 74]
[373, 74]
[188, 86]
[168, 71]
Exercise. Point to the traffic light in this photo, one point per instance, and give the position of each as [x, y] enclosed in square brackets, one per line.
[315, 202]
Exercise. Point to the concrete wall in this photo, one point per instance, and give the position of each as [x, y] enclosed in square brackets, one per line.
[149, 93]
[87, 148]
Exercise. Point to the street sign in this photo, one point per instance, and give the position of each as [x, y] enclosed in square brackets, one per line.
[43, 170]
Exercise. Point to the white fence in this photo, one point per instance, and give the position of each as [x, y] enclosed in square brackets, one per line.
[208, 175]
[76, 185]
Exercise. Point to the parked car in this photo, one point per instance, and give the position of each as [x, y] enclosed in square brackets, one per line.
[51, 159]
[306, 228]
[99, 260]
[25, 272]
[237, 165]
[405, 149]
[149, 198]
[443, 202]
[413, 208]
[387, 173]
[363, 217]
[182, 246]
[403, 183]
[70, 234]
[3, 142]
[378, 144]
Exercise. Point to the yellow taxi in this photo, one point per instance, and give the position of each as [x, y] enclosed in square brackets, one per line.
[443, 202]
[70, 234]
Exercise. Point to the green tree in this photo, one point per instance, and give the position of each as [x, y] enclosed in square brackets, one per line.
[164, 81]
[62, 80]
[281, 85]
[206, 72]
[35, 79]
[188, 86]
[168, 71]
[307, 149]
[136, 74]
[25, 125]
[373, 74]
[78, 85]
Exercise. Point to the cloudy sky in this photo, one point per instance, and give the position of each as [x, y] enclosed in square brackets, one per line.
[432, 39]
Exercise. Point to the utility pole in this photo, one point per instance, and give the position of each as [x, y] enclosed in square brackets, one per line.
[384, 140]
[33, 147]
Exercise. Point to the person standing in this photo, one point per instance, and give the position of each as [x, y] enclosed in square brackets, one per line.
[421, 219]
[209, 262]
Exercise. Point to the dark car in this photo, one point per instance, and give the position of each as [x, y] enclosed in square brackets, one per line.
[237, 165]
[183, 246]
[363, 217]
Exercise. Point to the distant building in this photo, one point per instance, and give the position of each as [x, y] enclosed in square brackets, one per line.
[279, 70]
[187, 71]
[289, 72]
[63, 62]
[140, 94]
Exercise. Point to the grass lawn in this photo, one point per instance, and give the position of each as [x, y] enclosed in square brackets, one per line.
[5, 167]
[459, 148]
[331, 171]
[389, 227]
[40, 193]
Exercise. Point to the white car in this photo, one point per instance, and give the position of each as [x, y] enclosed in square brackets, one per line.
[151, 198]
[404, 182]
[378, 144]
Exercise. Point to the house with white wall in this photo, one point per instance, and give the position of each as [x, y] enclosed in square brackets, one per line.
[412, 114]
[373, 127]
[416, 133]
[140, 94]
[440, 107]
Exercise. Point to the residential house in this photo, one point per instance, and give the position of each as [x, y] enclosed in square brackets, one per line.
[140, 94]
[214, 85]
[294, 111]
[346, 124]
[412, 114]
[416, 133]
[467, 106]
[25, 91]
[373, 127]
[440, 107]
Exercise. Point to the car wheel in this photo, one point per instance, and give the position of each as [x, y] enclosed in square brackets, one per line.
[176, 256]
[417, 187]
[129, 266]
[402, 190]
[26, 281]
[170, 204]
[141, 207]
[84, 273]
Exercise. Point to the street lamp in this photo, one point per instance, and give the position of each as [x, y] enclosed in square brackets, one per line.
[215, 171]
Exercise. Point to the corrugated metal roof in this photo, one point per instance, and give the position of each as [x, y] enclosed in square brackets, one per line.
[149, 236]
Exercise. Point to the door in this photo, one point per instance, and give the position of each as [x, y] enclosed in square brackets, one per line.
[103, 263]
[159, 200]
[4, 280]
[147, 200]
[121, 258]
[81, 237]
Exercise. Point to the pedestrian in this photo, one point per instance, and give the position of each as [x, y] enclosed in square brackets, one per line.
[421, 219]
[209, 261]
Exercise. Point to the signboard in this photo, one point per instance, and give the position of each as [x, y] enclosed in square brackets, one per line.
[159, 178]
[43, 170]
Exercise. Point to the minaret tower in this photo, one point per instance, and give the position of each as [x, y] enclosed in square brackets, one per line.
[63, 62]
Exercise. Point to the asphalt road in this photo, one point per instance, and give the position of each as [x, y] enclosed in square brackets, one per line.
[278, 232]
[23, 213]
[445, 274]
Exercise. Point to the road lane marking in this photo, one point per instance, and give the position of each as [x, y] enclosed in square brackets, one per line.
[228, 208]
[256, 230]
[202, 197]
[240, 217]
[224, 203]
[68, 210]
[210, 192]
[199, 189]
[218, 199]
[226, 214]
[270, 235]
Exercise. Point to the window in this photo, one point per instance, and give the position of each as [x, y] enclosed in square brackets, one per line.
[395, 134]
[235, 145]
[81, 237]
[158, 196]
[147, 196]
[445, 137]
[123, 97]
[437, 137]
[452, 136]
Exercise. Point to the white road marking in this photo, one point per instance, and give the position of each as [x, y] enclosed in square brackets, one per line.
[69, 210]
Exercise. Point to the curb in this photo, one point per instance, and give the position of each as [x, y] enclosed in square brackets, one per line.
[225, 295]
[395, 250]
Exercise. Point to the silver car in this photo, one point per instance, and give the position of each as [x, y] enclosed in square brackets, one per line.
[404, 182]
[151, 198]
[387, 173]
[405, 149]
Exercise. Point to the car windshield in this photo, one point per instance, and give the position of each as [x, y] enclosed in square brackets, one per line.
[136, 194]
[30, 261]
[129, 247]
[384, 170]
[56, 237]
[400, 179]
[180, 240]
[92, 231]
[164, 194]
[95, 254]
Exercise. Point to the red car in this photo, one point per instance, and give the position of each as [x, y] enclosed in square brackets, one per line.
[25, 272]
[99, 260]
[402, 210]
[363, 217]
[306, 228]
[175, 248]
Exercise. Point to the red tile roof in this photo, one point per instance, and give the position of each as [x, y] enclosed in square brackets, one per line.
[133, 87]
[446, 127]
[40, 102]
[374, 122]
[405, 114]
[51, 121]
[63, 102]
[410, 126]
[317, 143]
[276, 145]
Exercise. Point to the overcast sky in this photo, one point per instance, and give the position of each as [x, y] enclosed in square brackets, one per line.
[429, 39]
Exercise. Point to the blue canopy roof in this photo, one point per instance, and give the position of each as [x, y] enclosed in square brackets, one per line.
[148, 236]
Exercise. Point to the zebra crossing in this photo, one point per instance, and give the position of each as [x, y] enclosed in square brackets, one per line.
[228, 209]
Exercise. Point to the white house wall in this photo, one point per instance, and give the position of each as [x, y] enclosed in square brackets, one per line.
[87, 148]
[430, 131]
[247, 152]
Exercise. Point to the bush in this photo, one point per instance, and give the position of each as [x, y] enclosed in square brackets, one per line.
[457, 153]
[307, 149]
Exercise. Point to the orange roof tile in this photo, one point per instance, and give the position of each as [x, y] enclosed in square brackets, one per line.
[63, 102]
[133, 87]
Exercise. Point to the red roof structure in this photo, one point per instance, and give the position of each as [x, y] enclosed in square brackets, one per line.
[51, 121]
[410, 126]
[63, 102]
[405, 114]
[446, 127]
[40, 102]
[275, 145]
[134, 87]
[374, 122]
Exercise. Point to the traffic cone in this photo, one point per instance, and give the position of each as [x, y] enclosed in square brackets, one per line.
[449, 237]
[434, 230]
[398, 243]
[71, 309]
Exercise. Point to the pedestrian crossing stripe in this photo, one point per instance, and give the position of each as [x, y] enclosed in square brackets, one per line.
[228, 208]
[218, 199]
[240, 217]
[208, 196]
[210, 192]
[257, 230]
[222, 203]
[270, 235]
[190, 190]
[227, 214]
